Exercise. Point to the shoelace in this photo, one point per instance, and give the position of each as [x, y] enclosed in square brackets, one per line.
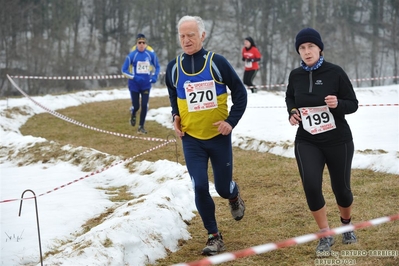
[349, 235]
[211, 240]
[324, 241]
[235, 205]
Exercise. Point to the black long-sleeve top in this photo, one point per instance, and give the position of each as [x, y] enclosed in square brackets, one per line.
[309, 88]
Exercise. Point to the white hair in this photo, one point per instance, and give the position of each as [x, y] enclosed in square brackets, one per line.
[198, 20]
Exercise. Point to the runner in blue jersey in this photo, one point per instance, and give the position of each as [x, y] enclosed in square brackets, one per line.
[141, 67]
[197, 82]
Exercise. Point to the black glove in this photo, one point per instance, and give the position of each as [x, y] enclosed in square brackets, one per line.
[293, 111]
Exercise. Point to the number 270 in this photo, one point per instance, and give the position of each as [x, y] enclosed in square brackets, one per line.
[201, 94]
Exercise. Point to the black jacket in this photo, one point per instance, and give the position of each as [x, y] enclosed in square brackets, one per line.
[308, 89]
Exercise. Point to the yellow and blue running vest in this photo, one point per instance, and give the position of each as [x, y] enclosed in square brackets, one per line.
[147, 48]
[201, 99]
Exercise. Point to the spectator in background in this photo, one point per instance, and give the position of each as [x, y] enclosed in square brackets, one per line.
[319, 95]
[141, 67]
[197, 82]
[251, 56]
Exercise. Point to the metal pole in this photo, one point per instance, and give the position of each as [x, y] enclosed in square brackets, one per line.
[173, 136]
[37, 221]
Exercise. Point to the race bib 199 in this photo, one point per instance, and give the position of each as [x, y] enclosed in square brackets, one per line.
[317, 119]
[201, 95]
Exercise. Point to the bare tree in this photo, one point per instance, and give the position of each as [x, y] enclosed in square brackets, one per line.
[92, 37]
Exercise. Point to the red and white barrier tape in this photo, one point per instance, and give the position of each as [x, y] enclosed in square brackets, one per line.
[224, 257]
[380, 104]
[75, 77]
[380, 78]
[286, 84]
[122, 76]
[65, 118]
[89, 175]
[360, 105]
[70, 120]
[71, 77]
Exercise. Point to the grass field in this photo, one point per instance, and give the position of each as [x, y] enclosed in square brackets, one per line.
[270, 186]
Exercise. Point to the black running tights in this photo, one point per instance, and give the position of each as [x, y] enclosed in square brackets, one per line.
[311, 160]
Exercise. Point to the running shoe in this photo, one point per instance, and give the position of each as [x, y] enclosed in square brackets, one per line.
[349, 238]
[141, 130]
[214, 245]
[133, 120]
[237, 206]
[324, 246]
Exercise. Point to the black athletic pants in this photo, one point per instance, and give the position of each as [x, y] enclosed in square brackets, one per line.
[311, 160]
[249, 76]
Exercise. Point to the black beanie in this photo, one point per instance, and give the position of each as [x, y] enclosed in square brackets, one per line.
[251, 41]
[140, 36]
[308, 35]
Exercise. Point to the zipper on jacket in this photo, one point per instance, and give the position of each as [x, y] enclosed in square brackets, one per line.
[310, 82]
[192, 65]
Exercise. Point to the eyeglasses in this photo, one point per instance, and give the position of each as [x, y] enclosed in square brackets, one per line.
[141, 42]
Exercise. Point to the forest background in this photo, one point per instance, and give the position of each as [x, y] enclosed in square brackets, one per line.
[54, 38]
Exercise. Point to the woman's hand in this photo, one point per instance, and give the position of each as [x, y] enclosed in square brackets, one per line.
[331, 101]
[295, 117]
